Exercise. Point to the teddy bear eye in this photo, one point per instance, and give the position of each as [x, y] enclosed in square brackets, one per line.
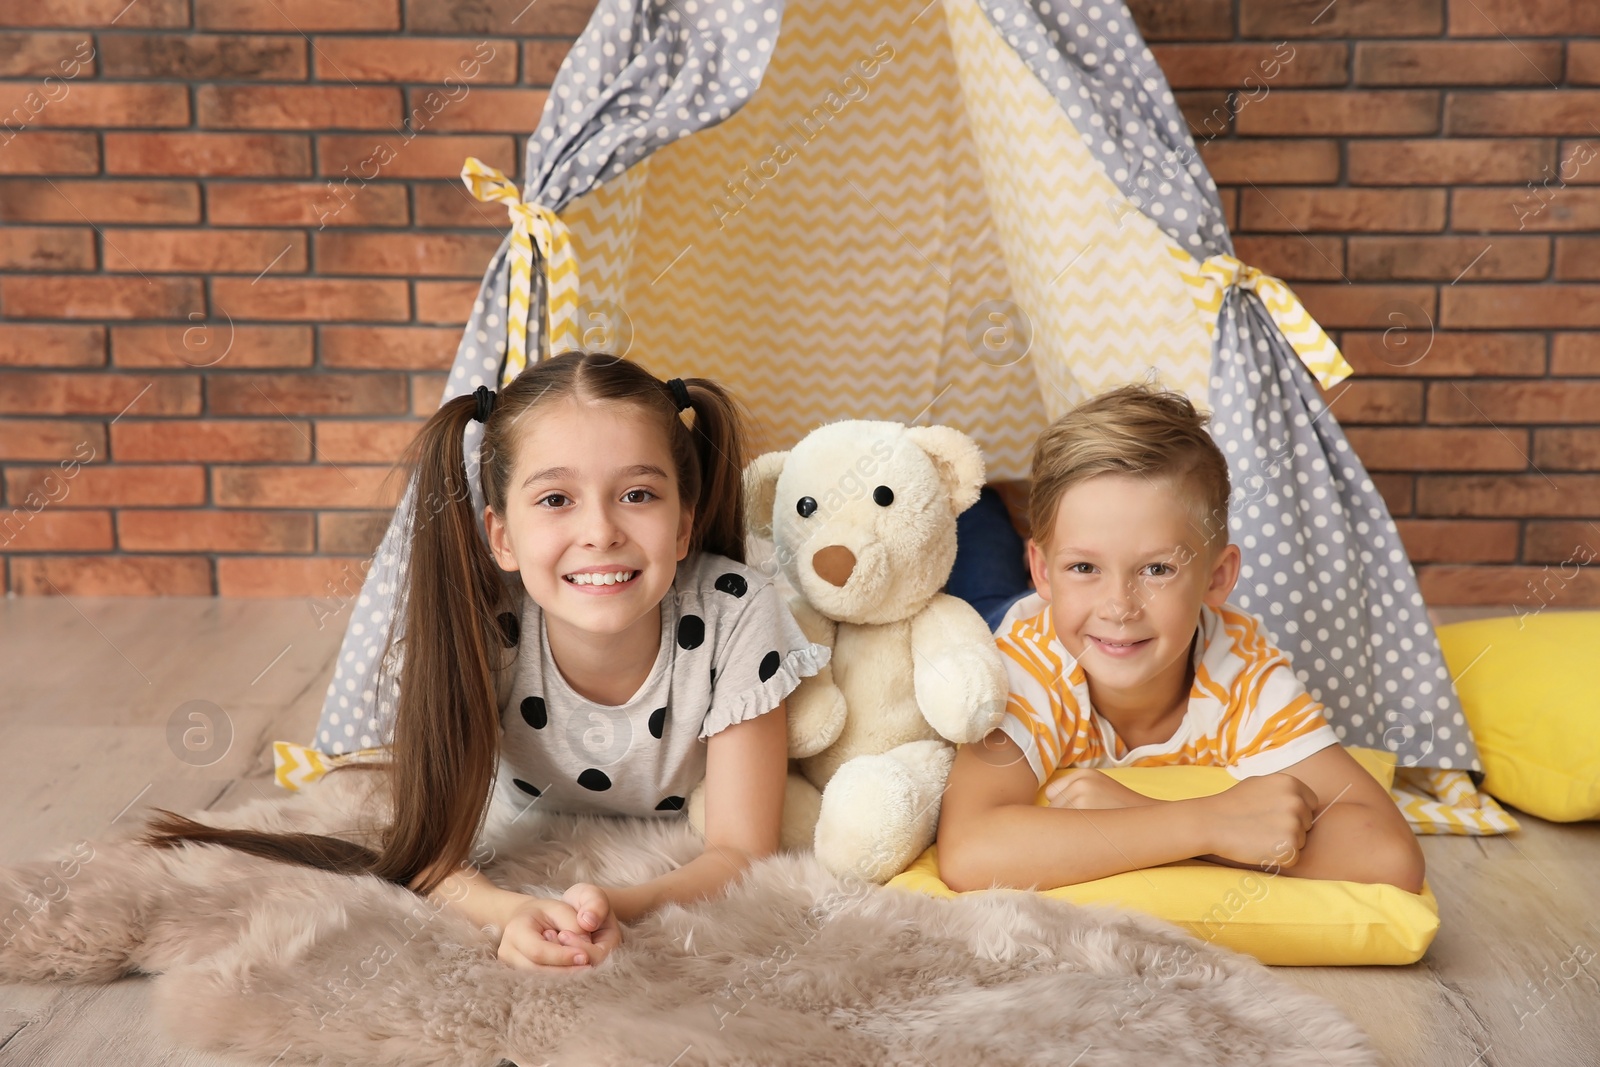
[806, 507]
[883, 496]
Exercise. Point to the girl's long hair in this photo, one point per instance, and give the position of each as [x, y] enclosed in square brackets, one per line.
[445, 747]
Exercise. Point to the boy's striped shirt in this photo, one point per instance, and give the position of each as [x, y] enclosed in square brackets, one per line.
[1247, 709]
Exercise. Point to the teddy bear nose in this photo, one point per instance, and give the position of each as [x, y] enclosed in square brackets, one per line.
[834, 564]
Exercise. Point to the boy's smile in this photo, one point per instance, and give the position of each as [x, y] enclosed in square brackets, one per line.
[1119, 649]
[1125, 573]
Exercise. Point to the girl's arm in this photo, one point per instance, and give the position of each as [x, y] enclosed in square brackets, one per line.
[746, 765]
[549, 934]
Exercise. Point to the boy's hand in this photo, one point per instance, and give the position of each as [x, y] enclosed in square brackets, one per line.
[542, 934]
[1262, 821]
[1086, 788]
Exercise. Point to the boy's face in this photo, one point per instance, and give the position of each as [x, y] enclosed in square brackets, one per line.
[1125, 573]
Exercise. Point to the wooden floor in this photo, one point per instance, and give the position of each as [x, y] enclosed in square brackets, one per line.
[97, 706]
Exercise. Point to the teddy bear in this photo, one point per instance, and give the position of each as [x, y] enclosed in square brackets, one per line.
[862, 516]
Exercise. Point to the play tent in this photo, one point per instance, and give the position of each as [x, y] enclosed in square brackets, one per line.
[936, 212]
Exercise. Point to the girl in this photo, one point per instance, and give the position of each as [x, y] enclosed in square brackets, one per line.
[637, 633]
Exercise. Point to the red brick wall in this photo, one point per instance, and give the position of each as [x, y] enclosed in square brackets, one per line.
[1426, 173]
[200, 177]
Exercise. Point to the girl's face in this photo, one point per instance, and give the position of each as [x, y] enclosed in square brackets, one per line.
[593, 520]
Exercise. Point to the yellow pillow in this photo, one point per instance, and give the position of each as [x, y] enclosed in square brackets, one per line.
[1297, 922]
[1532, 698]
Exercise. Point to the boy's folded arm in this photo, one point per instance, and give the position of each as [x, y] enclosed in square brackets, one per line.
[991, 833]
[1358, 834]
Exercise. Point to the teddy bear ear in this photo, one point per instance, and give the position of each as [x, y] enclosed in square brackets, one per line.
[956, 457]
[761, 491]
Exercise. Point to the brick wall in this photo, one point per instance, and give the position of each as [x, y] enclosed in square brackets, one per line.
[235, 259]
[1426, 173]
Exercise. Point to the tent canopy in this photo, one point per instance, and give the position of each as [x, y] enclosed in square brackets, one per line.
[936, 212]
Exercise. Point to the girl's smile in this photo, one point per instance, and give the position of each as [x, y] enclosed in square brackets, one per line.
[602, 581]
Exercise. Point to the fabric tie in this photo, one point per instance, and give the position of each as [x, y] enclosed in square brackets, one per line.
[531, 224]
[1209, 282]
[296, 765]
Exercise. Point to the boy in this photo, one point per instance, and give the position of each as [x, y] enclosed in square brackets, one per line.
[1128, 654]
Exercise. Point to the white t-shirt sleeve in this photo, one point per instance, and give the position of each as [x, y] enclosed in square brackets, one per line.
[1029, 728]
[1283, 725]
[762, 656]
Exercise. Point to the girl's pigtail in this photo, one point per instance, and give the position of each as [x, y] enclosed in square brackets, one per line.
[447, 718]
[446, 736]
[719, 444]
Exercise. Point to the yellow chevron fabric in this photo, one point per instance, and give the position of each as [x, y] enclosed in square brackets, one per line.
[823, 251]
[603, 225]
[1094, 273]
[1446, 802]
[901, 224]
[1211, 279]
[296, 765]
[531, 224]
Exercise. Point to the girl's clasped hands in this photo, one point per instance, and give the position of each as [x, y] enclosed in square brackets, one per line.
[573, 933]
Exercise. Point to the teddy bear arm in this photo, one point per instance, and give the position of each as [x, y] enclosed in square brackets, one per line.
[957, 673]
[816, 709]
[816, 714]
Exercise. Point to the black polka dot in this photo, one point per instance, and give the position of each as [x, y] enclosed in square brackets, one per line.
[733, 584]
[658, 722]
[533, 712]
[594, 779]
[691, 631]
[510, 628]
[531, 790]
[671, 804]
[769, 665]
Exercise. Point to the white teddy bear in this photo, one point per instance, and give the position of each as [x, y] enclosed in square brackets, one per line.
[863, 519]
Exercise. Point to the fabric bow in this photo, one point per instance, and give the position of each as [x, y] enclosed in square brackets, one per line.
[531, 224]
[1211, 279]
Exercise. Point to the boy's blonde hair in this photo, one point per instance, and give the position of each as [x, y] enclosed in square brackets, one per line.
[1139, 430]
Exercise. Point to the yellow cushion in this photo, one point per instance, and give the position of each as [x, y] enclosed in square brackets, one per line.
[1529, 689]
[1280, 920]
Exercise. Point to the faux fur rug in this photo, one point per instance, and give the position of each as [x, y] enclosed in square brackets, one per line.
[276, 964]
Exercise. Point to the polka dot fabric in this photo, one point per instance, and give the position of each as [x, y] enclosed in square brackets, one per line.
[641, 76]
[1092, 58]
[729, 651]
[1323, 566]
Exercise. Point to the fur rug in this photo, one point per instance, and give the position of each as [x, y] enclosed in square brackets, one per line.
[277, 964]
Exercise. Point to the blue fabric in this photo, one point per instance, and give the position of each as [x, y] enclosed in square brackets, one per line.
[991, 570]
